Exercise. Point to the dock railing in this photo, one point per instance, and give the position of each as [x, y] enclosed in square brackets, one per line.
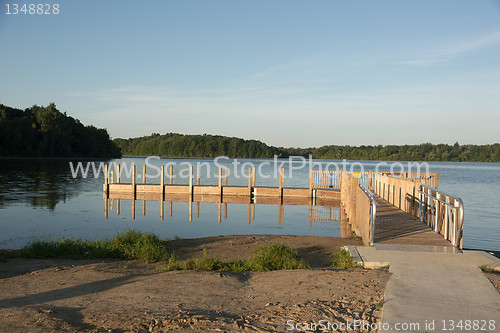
[360, 207]
[401, 192]
[326, 179]
[332, 179]
[442, 212]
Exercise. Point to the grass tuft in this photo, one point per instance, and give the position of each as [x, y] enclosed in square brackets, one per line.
[127, 245]
[203, 264]
[343, 260]
[274, 257]
[266, 258]
[486, 269]
[149, 248]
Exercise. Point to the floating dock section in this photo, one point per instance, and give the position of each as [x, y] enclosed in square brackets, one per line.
[212, 193]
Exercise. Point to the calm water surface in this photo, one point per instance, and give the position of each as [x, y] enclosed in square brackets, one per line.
[39, 199]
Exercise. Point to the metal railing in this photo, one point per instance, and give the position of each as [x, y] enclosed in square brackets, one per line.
[442, 212]
[325, 179]
[373, 210]
[333, 179]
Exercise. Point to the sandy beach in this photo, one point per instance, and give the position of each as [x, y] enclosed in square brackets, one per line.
[42, 295]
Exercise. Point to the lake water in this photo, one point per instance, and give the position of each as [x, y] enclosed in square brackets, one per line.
[39, 199]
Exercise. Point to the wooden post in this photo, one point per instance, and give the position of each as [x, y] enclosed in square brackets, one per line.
[225, 177]
[118, 173]
[106, 203]
[436, 181]
[280, 218]
[190, 211]
[225, 211]
[253, 212]
[281, 183]
[133, 181]
[170, 208]
[190, 185]
[249, 177]
[162, 184]
[220, 184]
[144, 182]
[248, 213]
[197, 183]
[162, 210]
[197, 174]
[133, 208]
[253, 178]
[171, 173]
[106, 181]
[219, 213]
[118, 207]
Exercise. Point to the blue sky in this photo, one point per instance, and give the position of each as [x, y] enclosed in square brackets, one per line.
[289, 73]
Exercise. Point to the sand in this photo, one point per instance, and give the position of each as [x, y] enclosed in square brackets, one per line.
[45, 295]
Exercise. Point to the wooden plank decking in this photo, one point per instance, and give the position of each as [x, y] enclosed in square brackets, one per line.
[394, 226]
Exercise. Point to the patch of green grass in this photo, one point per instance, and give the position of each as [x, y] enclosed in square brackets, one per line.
[486, 269]
[380, 304]
[6, 254]
[128, 245]
[266, 258]
[148, 247]
[203, 264]
[274, 257]
[343, 260]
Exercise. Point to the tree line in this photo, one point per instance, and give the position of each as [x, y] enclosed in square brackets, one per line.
[46, 132]
[173, 144]
[41, 131]
[421, 152]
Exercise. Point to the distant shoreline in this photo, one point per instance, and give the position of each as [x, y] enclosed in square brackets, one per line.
[58, 158]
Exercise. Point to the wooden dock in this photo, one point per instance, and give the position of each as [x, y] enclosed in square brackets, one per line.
[380, 209]
[222, 191]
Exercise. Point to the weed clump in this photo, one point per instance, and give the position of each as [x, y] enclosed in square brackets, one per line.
[274, 257]
[127, 245]
[265, 258]
[343, 260]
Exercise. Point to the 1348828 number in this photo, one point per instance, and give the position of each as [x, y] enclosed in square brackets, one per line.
[32, 9]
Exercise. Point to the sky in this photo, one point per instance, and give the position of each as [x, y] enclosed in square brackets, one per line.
[289, 73]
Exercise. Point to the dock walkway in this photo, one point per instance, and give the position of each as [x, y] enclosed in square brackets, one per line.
[436, 291]
[396, 227]
[433, 286]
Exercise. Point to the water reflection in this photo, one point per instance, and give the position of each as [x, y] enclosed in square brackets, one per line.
[39, 183]
[48, 186]
[318, 211]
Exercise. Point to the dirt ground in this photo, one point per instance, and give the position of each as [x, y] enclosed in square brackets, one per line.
[495, 279]
[316, 251]
[50, 295]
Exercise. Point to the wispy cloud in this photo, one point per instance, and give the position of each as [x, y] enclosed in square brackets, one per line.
[454, 51]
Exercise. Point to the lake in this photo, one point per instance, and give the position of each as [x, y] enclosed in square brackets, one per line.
[40, 199]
